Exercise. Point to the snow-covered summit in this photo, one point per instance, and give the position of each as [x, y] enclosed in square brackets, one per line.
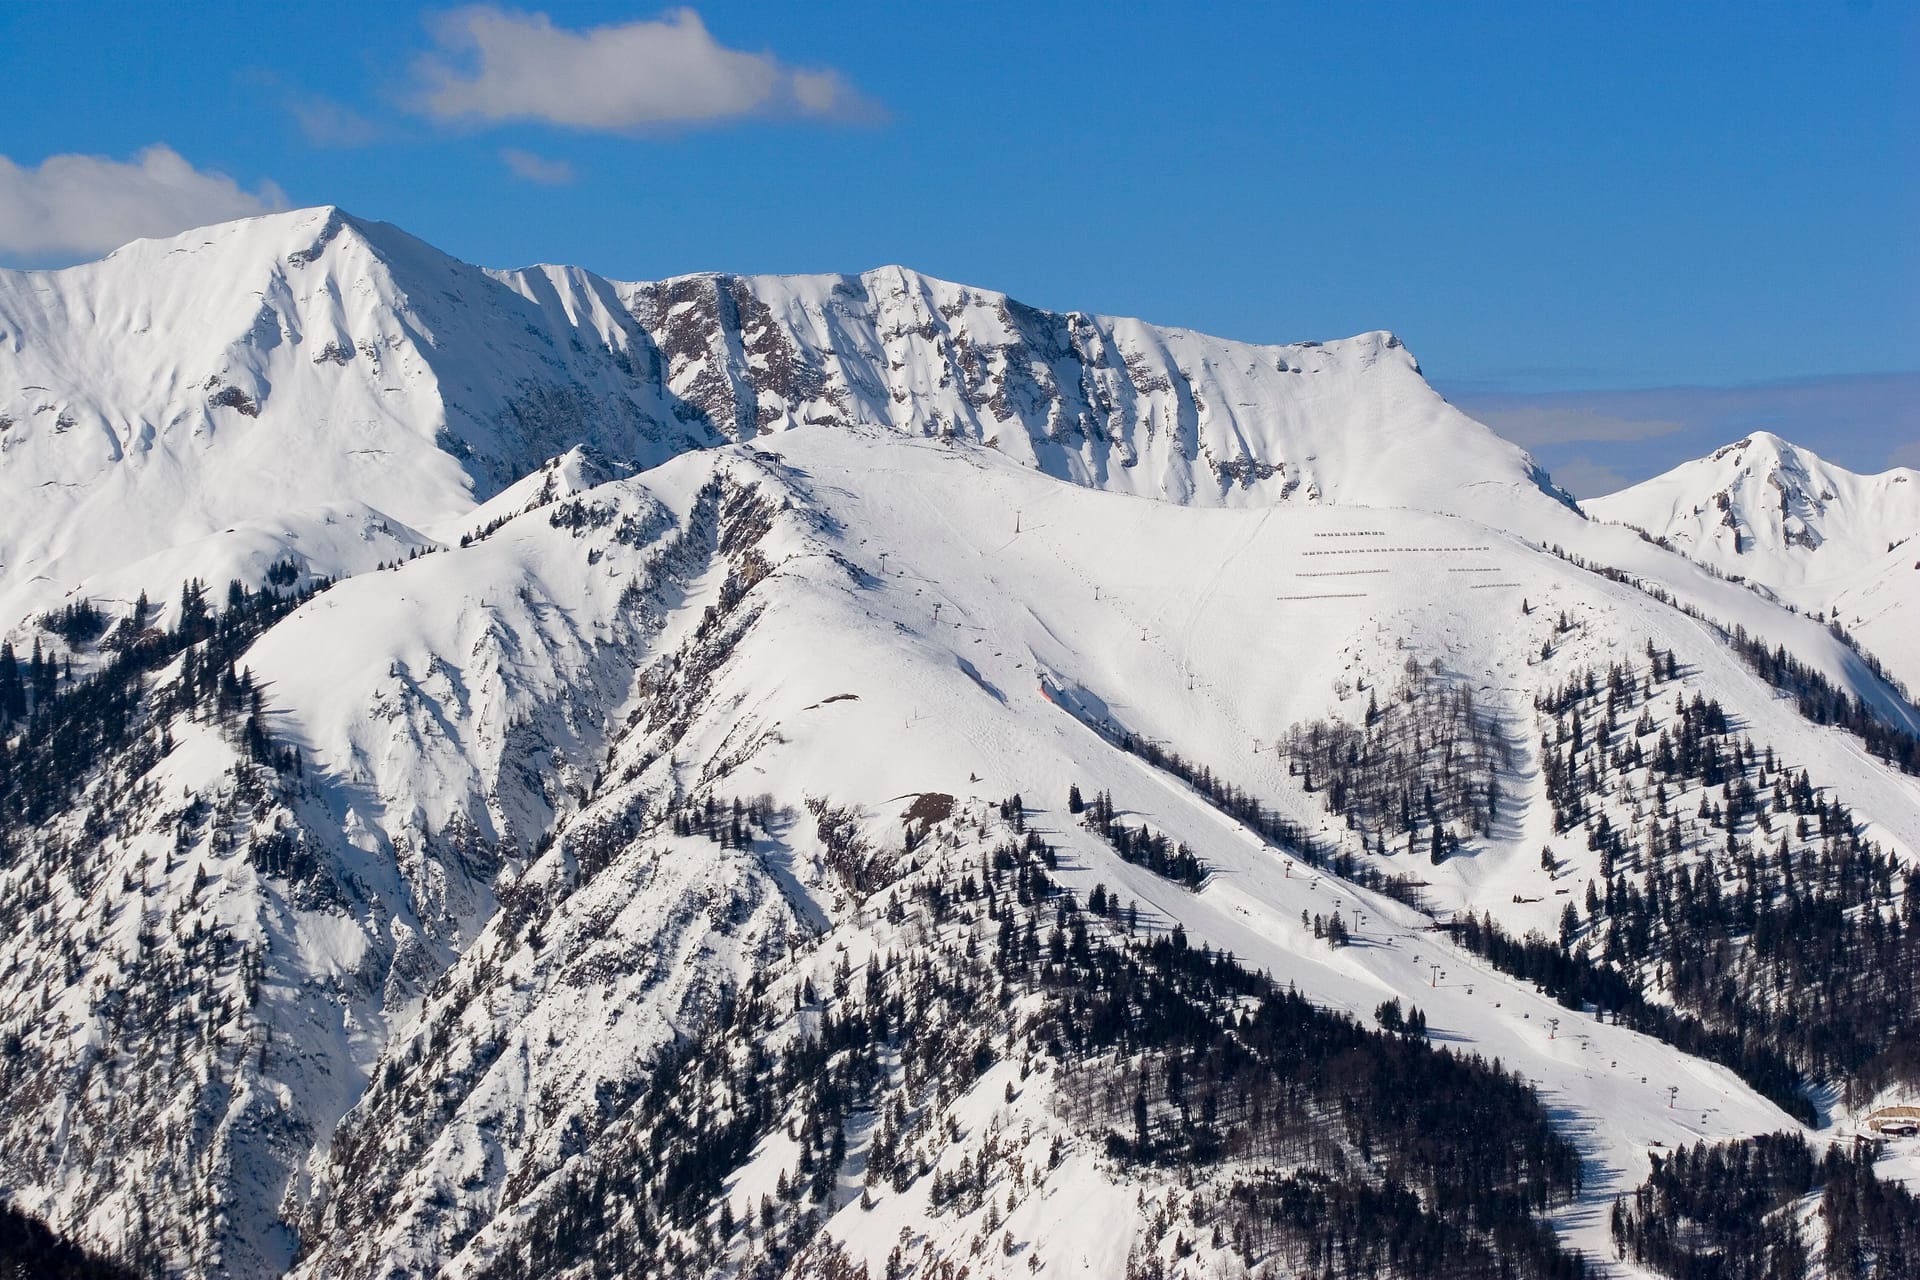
[1764, 501]
[277, 372]
[1823, 538]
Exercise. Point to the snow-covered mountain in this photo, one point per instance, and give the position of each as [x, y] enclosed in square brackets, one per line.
[312, 383]
[1816, 535]
[786, 762]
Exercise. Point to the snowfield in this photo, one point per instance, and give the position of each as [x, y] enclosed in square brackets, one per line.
[847, 562]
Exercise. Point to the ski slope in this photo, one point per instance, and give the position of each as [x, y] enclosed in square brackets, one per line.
[920, 592]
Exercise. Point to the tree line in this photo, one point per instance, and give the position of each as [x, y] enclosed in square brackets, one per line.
[1730, 1212]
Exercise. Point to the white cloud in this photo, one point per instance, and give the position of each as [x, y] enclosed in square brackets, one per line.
[75, 204]
[533, 168]
[495, 64]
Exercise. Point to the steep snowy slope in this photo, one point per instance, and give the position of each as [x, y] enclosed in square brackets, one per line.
[1816, 535]
[317, 387]
[494, 742]
[901, 636]
[1111, 404]
[281, 851]
[331, 384]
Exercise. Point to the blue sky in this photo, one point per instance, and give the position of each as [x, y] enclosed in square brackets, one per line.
[1546, 201]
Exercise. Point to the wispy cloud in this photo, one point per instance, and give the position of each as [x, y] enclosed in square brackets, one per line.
[1584, 478]
[532, 168]
[77, 204]
[323, 121]
[1546, 422]
[1597, 441]
[492, 64]
[326, 123]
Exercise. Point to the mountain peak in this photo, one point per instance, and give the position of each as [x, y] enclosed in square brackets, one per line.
[1776, 514]
[284, 230]
[303, 359]
[1765, 449]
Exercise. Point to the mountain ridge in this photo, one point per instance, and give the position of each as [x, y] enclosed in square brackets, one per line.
[397, 361]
